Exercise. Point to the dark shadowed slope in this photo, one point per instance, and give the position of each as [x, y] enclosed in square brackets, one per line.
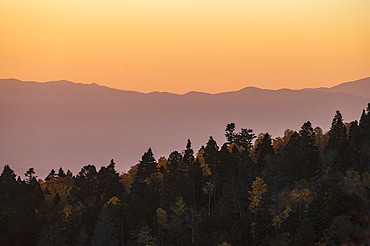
[48, 125]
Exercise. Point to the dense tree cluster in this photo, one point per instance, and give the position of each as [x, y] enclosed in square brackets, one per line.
[305, 188]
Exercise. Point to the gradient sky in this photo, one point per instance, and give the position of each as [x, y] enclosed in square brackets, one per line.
[179, 46]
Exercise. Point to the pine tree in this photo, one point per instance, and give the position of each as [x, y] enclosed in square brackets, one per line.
[30, 175]
[144, 238]
[56, 200]
[83, 237]
[51, 175]
[262, 222]
[309, 149]
[10, 190]
[364, 139]
[244, 138]
[61, 173]
[264, 152]
[108, 182]
[197, 183]
[337, 132]
[174, 161]
[85, 183]
[337, 144]
[7, 179]
[52, 236]
[69, 173]
[364, 125]
[293, 164]
[305, 234]
[188, 156]
[173, 178]
[211, 154]
[105, 231]
[353, 133]
[147, 166]
[229, 133]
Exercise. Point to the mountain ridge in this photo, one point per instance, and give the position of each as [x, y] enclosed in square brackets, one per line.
[67, 124]
[364, 81]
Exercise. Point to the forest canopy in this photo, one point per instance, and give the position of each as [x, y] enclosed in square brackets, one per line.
[305, 188]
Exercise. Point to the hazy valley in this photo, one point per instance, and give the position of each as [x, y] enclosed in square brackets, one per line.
[63, 124]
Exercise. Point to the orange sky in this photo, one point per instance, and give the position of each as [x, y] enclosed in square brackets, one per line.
[179, 46]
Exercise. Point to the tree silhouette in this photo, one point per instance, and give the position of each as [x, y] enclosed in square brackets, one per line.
[105, 231]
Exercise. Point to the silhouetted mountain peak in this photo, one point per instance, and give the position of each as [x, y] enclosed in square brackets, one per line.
[252, 88]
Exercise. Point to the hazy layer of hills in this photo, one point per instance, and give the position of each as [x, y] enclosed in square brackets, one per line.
[63, 124]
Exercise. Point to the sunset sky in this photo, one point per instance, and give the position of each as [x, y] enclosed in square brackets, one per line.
[179, 46]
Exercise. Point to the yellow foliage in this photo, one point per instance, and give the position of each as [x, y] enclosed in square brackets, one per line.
[179, 209]
[127, 179]
[230, 148]
[155, 178]
[205, 167]
[297, 200]
[200, 157]
[224, 244]
[114, 201]
[326, 174]
[67, 210]
[354, 183]
[253, 225]
[162, 218]
[286, 212]
[279, 219]
[49, 197]
[298, 197]
[258, 189]
[62, 185]
[366, 179]
[162, 162]
[208, 188]
[283, 239]
[144, 238]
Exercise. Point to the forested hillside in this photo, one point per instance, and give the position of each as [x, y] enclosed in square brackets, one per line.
[305, 188]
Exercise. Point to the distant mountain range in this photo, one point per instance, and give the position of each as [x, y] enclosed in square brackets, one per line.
[64, 124]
